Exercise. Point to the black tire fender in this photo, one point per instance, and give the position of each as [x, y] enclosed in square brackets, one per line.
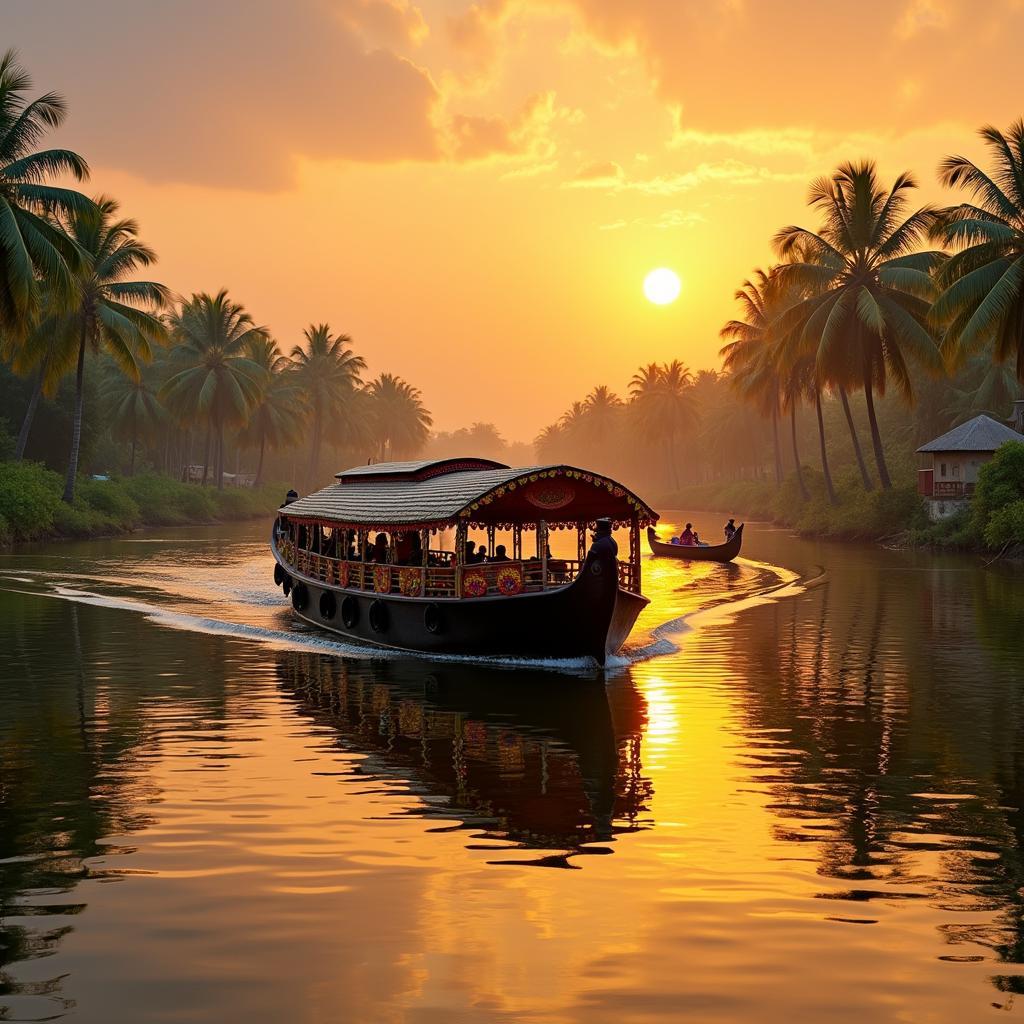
[432, 618]
[328, 605]
[378, 616]
[279, 574]
[300, 596]
[286, 584]
[349, 611]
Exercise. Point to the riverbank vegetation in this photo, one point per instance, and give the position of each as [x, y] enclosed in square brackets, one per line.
[137, 397]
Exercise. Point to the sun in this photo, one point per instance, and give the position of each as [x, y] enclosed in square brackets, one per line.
[662, 286]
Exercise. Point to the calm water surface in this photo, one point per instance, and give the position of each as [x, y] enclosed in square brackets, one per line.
[802, 805]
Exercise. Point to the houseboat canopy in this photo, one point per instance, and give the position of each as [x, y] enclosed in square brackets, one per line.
[474, 492]
[981, 434]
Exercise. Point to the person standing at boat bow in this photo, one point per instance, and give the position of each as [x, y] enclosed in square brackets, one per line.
[604, 543]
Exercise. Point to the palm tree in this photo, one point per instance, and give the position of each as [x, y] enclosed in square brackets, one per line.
[751, 356]
[277, 418]
[794, 387]
[47, 354]
[663, 406]
[549, 444]
[602, 415]
[216, 381]
[133, 408]
[33, 249]
[867, 292]
[401, 421]
[110, 313]
[992, 389]
[328, 372]
[983, 282]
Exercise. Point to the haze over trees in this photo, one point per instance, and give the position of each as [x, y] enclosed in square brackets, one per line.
[882, 323]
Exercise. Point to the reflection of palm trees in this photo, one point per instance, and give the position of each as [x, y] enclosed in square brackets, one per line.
[896, 762]
[547, 762]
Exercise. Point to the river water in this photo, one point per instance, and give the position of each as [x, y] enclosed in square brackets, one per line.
[797, 797]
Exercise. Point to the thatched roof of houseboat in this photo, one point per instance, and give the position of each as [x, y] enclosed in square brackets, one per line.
[478, 491]
[982, 434]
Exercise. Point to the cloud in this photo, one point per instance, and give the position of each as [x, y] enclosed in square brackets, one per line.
[815, 64]
[216, 93]
[733, 172]
[527, 134]
[598, 174]
[666, 221]
[393, 23]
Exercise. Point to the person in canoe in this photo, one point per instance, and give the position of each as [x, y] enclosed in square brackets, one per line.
[688, 538]
[730, 530]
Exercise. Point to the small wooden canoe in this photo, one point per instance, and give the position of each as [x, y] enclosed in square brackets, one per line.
[714, 553]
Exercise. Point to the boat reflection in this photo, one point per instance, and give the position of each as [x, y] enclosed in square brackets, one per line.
[527, 759]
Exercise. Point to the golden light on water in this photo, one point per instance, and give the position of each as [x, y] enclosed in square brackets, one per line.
[662, 286]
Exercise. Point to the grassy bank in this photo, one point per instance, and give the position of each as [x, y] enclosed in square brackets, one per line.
[31, 506]
[992, 521]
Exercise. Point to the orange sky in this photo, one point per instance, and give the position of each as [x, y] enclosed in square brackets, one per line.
[475, 191]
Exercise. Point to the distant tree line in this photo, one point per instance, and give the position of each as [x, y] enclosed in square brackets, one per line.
[881, 297]
[180, 381]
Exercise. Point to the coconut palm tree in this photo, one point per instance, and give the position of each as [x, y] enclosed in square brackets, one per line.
[549, 444]
[111, 312]
[982, 300]
[602, 417]
[328, 371]
[133, 409]
[751, 356]
[278, 417]
[664, 407]
[33, 249]
[47, 354]
[401, 421]
[867, 291]
[215, 381]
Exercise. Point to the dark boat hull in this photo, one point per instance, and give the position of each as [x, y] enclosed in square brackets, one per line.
[714, 553]
[588, 618]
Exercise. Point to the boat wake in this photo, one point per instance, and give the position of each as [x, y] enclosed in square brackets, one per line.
[174, 600]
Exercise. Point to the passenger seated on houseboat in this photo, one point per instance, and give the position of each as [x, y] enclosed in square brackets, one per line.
[415, 549]
[469, 553]
[292, 495]
[403, 548]
[481, 555]
[380, 551]
[604, 542]
[687, 537]
[500, 555]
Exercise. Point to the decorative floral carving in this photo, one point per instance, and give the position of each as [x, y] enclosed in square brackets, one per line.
[509, 580]
[550, 494]
[410, 582]
[382, 579]
[474, 584]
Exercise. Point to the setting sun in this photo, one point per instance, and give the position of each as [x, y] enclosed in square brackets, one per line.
[662, 286]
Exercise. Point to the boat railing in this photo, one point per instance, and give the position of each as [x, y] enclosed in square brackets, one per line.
[486, 579]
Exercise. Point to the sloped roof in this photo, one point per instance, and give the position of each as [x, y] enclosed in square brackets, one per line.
[423, 468]
[982, 434]
[438, 493]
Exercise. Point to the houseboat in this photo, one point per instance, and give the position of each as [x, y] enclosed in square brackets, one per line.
[363, 559]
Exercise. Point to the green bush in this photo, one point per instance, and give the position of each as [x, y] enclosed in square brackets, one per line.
[1006, 525]
[80, 520]
[31, 506]
[999, 490]
[29, 499]
[111, 498]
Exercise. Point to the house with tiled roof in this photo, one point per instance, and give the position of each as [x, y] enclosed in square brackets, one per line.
[955, 458]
